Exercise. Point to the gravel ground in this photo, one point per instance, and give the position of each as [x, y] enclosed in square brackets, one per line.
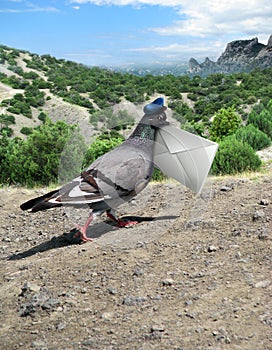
[195, 273]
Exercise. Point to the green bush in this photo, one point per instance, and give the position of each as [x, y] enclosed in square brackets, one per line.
[26, 130]
[6, 120]
[6, 130]
[36, 160]
[42, 116]
[262, 121]
[158, 175]
[253, 136]
[234, 157]
[226, 121]
[7, 147]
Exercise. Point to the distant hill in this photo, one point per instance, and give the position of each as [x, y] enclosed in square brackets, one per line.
[33, 87]
[239, 56]
[157, 69]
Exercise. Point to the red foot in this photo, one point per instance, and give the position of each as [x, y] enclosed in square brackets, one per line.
[82, 236]
[120, 222]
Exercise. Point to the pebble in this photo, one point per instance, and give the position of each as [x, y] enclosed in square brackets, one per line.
[264, 202]
[39, 345]
[259, 214]
[112, 290]
[131, 300]
[212, 248]
[34, 299]
[106, 315]
[225, 189]
[157, 328]
[262, 284]
[30, 287]
[168, 282]
[61, 326]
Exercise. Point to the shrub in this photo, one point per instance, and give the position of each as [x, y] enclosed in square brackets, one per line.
[226, 121]
[234, 157]
[35, 161]
[6, 130]
[7, 147]
[256, 138]
[262, 121]
[26, 130]
[158, 175]
[6, 120]
[42, 116]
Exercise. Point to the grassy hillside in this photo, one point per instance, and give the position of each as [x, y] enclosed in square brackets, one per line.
[31, 84]
[34, 89]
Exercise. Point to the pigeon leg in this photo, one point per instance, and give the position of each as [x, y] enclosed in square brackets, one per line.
[82, 230]
[121, 223]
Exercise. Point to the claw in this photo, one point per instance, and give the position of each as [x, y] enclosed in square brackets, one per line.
[120, 223]
[82, 235]
[82, 230]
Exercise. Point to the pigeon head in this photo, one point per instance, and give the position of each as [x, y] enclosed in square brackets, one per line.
[155, 113]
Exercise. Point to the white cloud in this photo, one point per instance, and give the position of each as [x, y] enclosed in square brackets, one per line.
[27, 6]
[203, 27]
[207, 17]
[168, 3]
[220, 17]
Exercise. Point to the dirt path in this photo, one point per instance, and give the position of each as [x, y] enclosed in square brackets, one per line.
[197, 276]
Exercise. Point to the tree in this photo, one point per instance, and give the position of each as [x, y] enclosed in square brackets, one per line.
[234, 157]
[262, 121]
[36, 160]
[6, 120]
[253, 136]
[225, 122]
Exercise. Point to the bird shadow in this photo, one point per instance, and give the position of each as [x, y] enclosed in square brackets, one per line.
[70, 238]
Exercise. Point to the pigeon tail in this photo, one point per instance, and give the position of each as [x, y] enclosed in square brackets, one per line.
[40, 203]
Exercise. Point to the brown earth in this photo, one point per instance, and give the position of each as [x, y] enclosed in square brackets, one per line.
[197, 276]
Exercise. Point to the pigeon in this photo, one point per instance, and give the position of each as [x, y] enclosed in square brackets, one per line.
[112, 179]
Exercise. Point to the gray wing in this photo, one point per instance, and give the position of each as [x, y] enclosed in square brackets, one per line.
[115, 177]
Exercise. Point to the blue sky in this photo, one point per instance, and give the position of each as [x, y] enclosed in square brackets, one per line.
[116, 32]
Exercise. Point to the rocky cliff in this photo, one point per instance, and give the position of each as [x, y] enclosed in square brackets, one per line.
[240, 55]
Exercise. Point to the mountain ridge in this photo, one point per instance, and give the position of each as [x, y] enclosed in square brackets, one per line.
[239, 56]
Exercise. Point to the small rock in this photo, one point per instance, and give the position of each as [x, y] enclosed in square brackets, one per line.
[39, 345]
[225, 189]
[138, 272]
[259, 214]
[263, 235]
[35, 299]
[212, 248]
[106, 315]
[263, 284]
[168, 282]
[112, 290]
[30, 287]
[264, 202]
[131, 300]
[157, 328]
[61, 326]
[236, 233]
